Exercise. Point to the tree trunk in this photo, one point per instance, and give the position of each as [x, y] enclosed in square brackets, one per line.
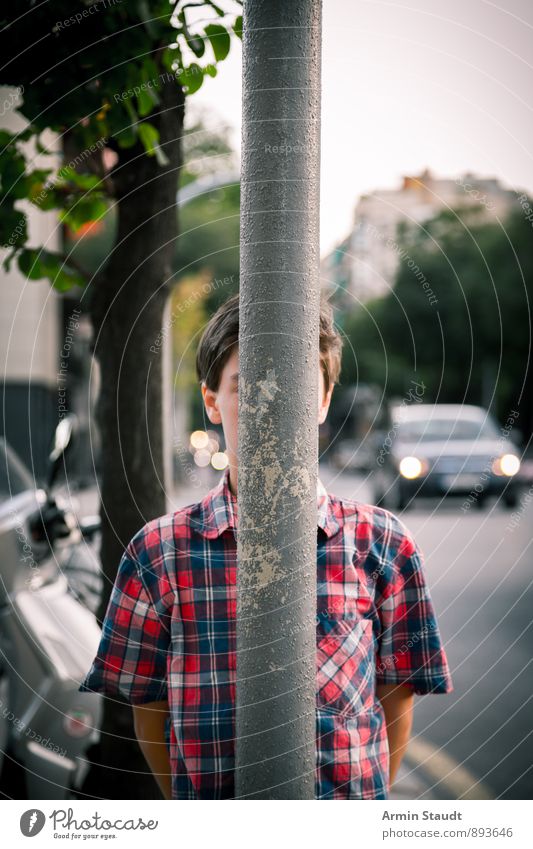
[127, 308]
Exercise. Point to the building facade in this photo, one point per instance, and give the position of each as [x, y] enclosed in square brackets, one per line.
[363, 266]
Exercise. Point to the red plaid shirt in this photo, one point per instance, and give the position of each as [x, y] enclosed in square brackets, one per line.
[169, 632]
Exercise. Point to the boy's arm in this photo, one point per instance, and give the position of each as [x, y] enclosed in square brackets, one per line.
[411, 657]
[149, 722]
[397, 701]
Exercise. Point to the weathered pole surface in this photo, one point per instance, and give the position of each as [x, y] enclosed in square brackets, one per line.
[278, 400]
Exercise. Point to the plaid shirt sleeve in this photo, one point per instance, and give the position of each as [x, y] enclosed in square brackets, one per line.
[410, 649]
[132, 655]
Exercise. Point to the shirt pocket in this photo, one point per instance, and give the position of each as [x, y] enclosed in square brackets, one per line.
[345, 665]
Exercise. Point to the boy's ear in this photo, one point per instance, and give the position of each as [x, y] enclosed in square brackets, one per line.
[323, 412]
[210, 403]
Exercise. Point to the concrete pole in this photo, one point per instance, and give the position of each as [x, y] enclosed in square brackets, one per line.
[278, 400]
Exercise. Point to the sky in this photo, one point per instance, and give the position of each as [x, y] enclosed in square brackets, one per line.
[408, 86]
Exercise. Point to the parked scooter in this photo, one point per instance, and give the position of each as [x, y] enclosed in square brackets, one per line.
[48, 632]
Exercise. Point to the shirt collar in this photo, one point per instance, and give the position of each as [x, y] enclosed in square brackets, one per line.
[219, 510]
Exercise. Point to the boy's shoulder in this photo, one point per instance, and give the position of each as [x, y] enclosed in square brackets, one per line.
[163, 542]
[182, 522]
[206, 518]
[375, 528]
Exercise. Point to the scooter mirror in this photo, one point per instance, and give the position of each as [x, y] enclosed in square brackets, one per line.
[62, 439]
[90, 526]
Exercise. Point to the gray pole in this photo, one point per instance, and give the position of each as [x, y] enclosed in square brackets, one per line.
[278, 400]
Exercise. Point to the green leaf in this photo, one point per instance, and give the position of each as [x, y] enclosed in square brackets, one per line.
[36, 264]
[6, 139]
[220, 40]
[211, 70]
[171, 58]
[217, 9]
[34, 183]
[82, 210]
[66, 173]
[31, 264]
[195, 42]
[149, 136]
[12, 167]
[26, 134]
[40, 147]
[160, 155]
[146, 100]
[66, 278]
[126, 137]
[6, 264]
[130, 109]
[237, 26]
[150, 139]
[147, 18]
[44, 196]
[13, 227]
[191, 78]
[81, 181]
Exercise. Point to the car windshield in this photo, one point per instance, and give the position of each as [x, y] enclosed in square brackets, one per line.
[443, 429]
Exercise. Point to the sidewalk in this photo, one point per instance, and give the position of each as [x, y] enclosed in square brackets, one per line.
[411, 783]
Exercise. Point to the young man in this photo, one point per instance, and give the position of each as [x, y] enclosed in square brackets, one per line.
[168, 640]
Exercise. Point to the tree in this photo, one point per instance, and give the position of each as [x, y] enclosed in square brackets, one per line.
[111, 79]
[209, 223]
[206, 256]
[472, 344]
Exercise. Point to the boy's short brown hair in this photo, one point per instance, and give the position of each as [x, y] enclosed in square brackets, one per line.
[222, 334]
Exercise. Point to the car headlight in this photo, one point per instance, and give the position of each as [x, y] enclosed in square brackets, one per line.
[507, 464]
[412, 467]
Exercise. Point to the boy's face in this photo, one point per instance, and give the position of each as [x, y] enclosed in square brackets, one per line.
[222, 406]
